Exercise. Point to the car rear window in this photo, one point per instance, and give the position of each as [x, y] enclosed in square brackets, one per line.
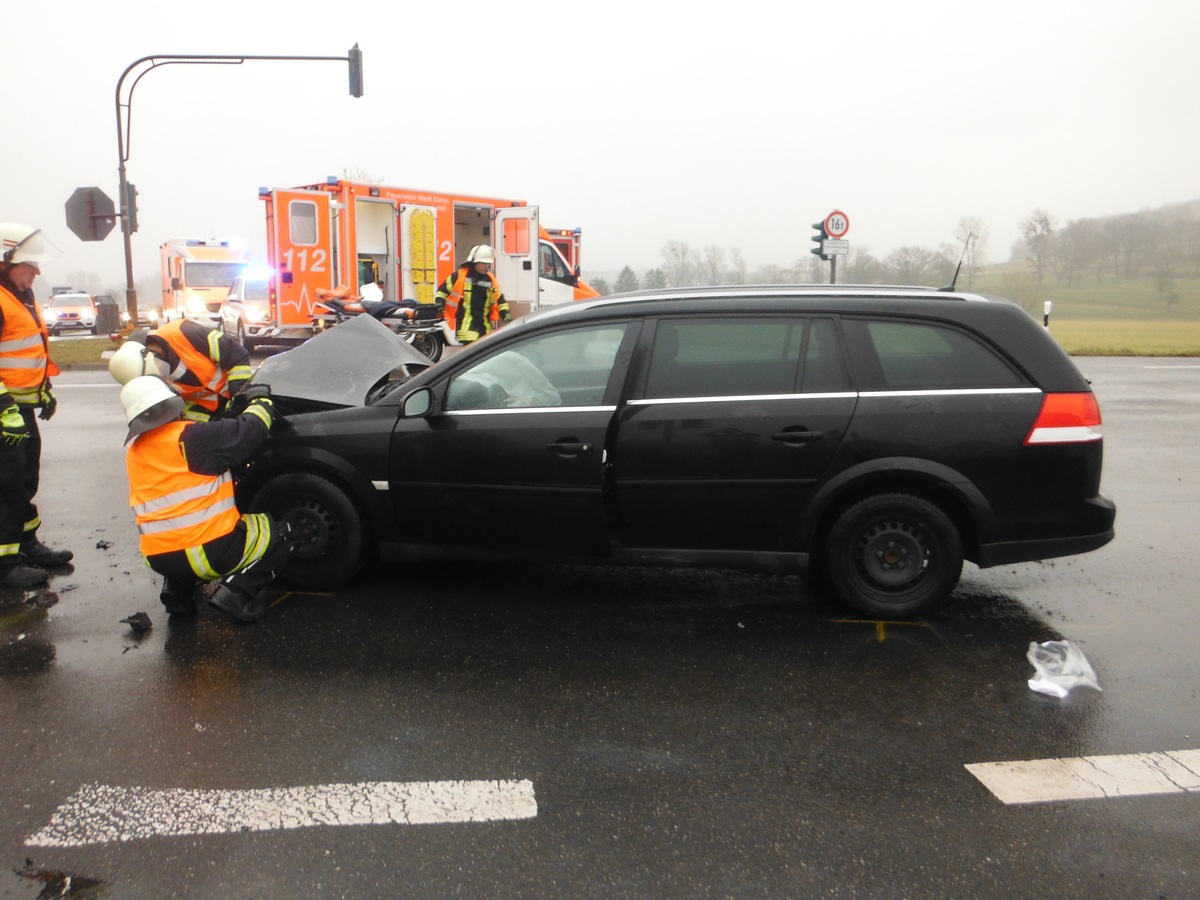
[925, 356]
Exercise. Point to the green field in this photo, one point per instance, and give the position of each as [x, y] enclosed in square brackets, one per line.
[1107, 316]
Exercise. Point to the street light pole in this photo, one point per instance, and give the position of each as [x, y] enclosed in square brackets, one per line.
[124, 104]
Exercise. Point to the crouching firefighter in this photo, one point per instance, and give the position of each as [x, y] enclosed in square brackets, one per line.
[181, 491]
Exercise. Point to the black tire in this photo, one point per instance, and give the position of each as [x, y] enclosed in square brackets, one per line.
[241, 337]
[429, 344]
[55, 331]
[893, 555]
[327, 529]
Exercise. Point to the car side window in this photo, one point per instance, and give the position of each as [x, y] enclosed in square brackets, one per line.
[724, 357]
[923, 356]
[562, 369]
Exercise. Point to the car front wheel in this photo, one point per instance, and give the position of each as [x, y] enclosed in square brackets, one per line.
[893, 555]
[329, 540]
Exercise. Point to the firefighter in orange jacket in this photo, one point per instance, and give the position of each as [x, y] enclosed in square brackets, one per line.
[181, 491]
[473, 302]
[25, 370]
[206, 366]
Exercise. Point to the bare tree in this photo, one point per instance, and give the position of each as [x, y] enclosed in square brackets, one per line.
[361, 176]
[972, 235]
[713, 268]
[916, 265]
[1036, 232]
[737, 265]
[677, 263]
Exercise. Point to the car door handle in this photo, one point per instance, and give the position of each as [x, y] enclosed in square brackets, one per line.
[796, 437]
[567, 447]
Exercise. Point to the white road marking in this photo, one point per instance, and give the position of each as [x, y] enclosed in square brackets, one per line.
[1088, 777]
[99, 813]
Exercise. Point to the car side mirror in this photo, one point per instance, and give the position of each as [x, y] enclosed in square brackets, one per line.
[417, 404]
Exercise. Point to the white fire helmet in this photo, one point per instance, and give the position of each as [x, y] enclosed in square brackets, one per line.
[148, 402]
[133, 359]
[22, 244]
[481, 253]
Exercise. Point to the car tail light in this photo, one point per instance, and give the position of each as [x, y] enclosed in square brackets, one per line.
[1066, 419]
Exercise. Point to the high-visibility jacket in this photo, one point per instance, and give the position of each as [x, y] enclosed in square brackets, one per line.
[176, 508]
[25, 362]
[211, 377]
[481, 300]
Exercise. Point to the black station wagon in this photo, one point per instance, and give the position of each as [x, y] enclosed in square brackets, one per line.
[876, 436]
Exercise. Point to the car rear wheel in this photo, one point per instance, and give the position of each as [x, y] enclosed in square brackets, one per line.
[327, 530]
[893, 555]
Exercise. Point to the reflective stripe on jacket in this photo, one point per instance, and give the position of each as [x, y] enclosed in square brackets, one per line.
[24, 355]
[175, 508]
[212, 377]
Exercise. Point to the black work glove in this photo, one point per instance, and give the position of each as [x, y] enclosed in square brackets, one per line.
[48, 400]
[255, 392]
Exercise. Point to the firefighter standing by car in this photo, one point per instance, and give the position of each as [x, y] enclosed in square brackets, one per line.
[25, 370]
[206, 366]
[181, 491]
[473, 302]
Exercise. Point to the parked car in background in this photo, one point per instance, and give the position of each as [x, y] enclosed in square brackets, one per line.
[70, 310]
[245, 311]
[878, 437]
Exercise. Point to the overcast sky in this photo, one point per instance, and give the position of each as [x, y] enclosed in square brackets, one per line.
[732, 124]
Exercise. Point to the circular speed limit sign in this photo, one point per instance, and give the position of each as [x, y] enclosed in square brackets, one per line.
[837, 223]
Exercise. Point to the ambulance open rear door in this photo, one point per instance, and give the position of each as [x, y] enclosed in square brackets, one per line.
[516, 244]
[300, 227]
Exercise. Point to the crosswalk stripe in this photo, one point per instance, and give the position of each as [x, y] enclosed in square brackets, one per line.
[1088, 777]
[98, 813]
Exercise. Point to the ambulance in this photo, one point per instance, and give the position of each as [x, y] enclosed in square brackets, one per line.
[344, 233]
[196, 274]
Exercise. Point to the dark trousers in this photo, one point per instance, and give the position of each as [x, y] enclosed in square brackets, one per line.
[224, 555]
[20, 471]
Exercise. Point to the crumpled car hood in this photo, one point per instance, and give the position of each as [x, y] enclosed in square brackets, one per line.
[340, 366]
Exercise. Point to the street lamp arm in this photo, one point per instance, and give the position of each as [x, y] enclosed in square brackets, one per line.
[124, 131]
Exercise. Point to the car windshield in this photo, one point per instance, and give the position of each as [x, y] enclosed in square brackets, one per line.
[256, 290]
[70, 300]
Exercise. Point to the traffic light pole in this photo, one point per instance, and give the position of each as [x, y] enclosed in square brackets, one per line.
[124, 103]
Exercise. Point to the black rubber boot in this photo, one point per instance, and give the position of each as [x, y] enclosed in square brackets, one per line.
[238, 604]
[38, 554]
[177, 598]
[23, 576]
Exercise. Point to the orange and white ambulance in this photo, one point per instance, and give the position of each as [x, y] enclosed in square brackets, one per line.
[196, 274]
[323, 236]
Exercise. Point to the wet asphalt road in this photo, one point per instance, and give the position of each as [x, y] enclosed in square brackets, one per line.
[686, 734]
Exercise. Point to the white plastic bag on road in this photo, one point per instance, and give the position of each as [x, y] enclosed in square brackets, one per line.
[1060, 666]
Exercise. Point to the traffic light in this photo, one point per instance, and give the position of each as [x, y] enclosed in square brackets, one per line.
[820, 238]
[356, 72]
[131, 221]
